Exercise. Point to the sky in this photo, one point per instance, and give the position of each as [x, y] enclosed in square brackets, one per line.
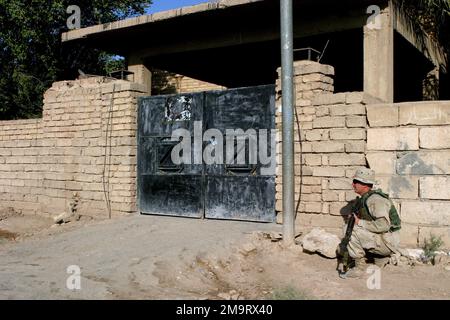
[162, 5]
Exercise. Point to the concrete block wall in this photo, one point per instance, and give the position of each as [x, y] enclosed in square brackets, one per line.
[85, 144]
[408, 145]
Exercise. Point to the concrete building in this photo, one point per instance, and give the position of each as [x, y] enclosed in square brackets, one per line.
[235, 43]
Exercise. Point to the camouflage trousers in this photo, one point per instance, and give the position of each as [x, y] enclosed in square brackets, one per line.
[363, 241]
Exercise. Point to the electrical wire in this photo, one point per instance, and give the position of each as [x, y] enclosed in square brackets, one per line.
[107, 156]
[300, 155]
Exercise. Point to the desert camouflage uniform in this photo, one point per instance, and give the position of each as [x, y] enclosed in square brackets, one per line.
[374, 236]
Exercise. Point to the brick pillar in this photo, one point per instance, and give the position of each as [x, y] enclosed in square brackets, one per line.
[330, 144]
[310, 79]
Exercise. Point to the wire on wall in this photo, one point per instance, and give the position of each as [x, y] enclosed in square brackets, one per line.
[107, 155]
[297, 121]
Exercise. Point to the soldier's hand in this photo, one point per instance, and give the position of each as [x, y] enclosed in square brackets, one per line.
[356, 219]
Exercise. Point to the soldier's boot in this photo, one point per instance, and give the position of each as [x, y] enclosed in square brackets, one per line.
[381, 262]
[357, 271]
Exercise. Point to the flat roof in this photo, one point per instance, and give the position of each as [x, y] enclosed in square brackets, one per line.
[225, 23]
[201, 8]
[151, 18]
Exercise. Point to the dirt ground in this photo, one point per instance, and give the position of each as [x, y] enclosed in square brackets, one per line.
[156, 257]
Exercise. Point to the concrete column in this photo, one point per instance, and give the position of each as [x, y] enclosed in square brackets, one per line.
[141, 75]
[379, 56]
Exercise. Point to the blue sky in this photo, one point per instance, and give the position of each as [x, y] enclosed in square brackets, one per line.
[162, 5]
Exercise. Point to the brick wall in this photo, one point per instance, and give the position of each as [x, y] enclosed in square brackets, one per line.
[45, 161]
[20, 179]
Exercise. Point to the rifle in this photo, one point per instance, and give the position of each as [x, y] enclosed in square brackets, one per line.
[343, 255]
[344, 258]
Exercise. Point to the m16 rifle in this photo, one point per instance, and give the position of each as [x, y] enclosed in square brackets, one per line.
[344, 259]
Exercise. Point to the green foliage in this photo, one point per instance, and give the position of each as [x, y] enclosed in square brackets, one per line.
[430, 246]
[32, 56]
[288, 293]
[430, 17]
[113, 63]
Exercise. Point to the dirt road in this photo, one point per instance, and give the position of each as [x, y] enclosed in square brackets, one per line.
[153, 257]
[117, 258]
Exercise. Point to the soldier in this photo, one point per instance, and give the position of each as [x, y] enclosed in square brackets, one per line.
[377, 225]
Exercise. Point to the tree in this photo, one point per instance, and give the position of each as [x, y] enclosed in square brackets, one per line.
[32, 56]
[428, 18]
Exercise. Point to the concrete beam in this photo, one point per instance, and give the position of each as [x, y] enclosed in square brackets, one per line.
[253, 33]
[379, 57]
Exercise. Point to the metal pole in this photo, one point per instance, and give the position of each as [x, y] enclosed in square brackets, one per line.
[287, 66]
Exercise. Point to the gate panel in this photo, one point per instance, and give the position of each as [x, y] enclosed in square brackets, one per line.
[240, 198]
[174, 195]
[164, 187]
[240, 191]
[225, 190]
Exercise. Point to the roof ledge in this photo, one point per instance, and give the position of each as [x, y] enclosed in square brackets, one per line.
[157, 16]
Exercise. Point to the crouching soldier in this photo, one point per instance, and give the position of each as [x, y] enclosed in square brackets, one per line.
[376, 226]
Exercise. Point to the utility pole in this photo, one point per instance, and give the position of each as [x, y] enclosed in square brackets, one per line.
[287, 66]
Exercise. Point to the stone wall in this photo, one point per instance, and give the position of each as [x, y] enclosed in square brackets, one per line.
[44, 162]
[406, 144]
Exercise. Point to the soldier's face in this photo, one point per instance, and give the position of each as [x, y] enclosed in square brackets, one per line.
[360, 188]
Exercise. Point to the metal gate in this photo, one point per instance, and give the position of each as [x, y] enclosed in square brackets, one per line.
[239, 187]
